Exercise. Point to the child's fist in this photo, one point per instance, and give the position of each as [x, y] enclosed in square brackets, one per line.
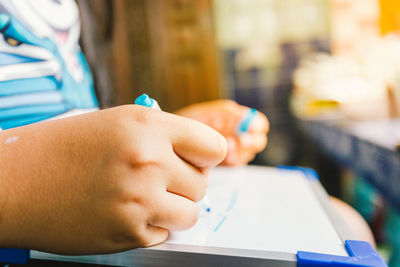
[225, 116]
[103, 182]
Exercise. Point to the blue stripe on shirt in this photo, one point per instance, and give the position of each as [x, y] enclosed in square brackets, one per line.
[34, 110]
[28, 85]
[12, 123]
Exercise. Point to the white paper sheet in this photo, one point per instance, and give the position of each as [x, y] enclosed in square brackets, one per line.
[263, 208]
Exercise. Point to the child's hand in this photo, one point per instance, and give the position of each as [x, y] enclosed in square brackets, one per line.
[105, 181]
[225, 116]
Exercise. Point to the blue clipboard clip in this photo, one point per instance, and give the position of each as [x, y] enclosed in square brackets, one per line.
[14, 256]
[361, 253]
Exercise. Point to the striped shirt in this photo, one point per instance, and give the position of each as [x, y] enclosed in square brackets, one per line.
[43, 72]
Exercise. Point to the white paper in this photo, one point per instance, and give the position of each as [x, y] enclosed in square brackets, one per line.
[263, 208]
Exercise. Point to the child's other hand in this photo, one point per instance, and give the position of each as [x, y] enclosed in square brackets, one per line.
[105, 181]
[225, 116]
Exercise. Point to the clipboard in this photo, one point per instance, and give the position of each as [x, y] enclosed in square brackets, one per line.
[260, 216]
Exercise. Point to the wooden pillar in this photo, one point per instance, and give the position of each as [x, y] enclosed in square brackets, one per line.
[163, 47]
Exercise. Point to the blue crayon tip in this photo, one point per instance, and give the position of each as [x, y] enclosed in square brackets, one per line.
[244, 124]
[144, 100]
[4, 20]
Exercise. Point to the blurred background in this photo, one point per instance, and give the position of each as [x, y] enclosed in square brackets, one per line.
[320, 69]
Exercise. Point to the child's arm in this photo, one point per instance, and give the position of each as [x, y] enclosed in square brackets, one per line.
[225, 116]
[103, 182]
